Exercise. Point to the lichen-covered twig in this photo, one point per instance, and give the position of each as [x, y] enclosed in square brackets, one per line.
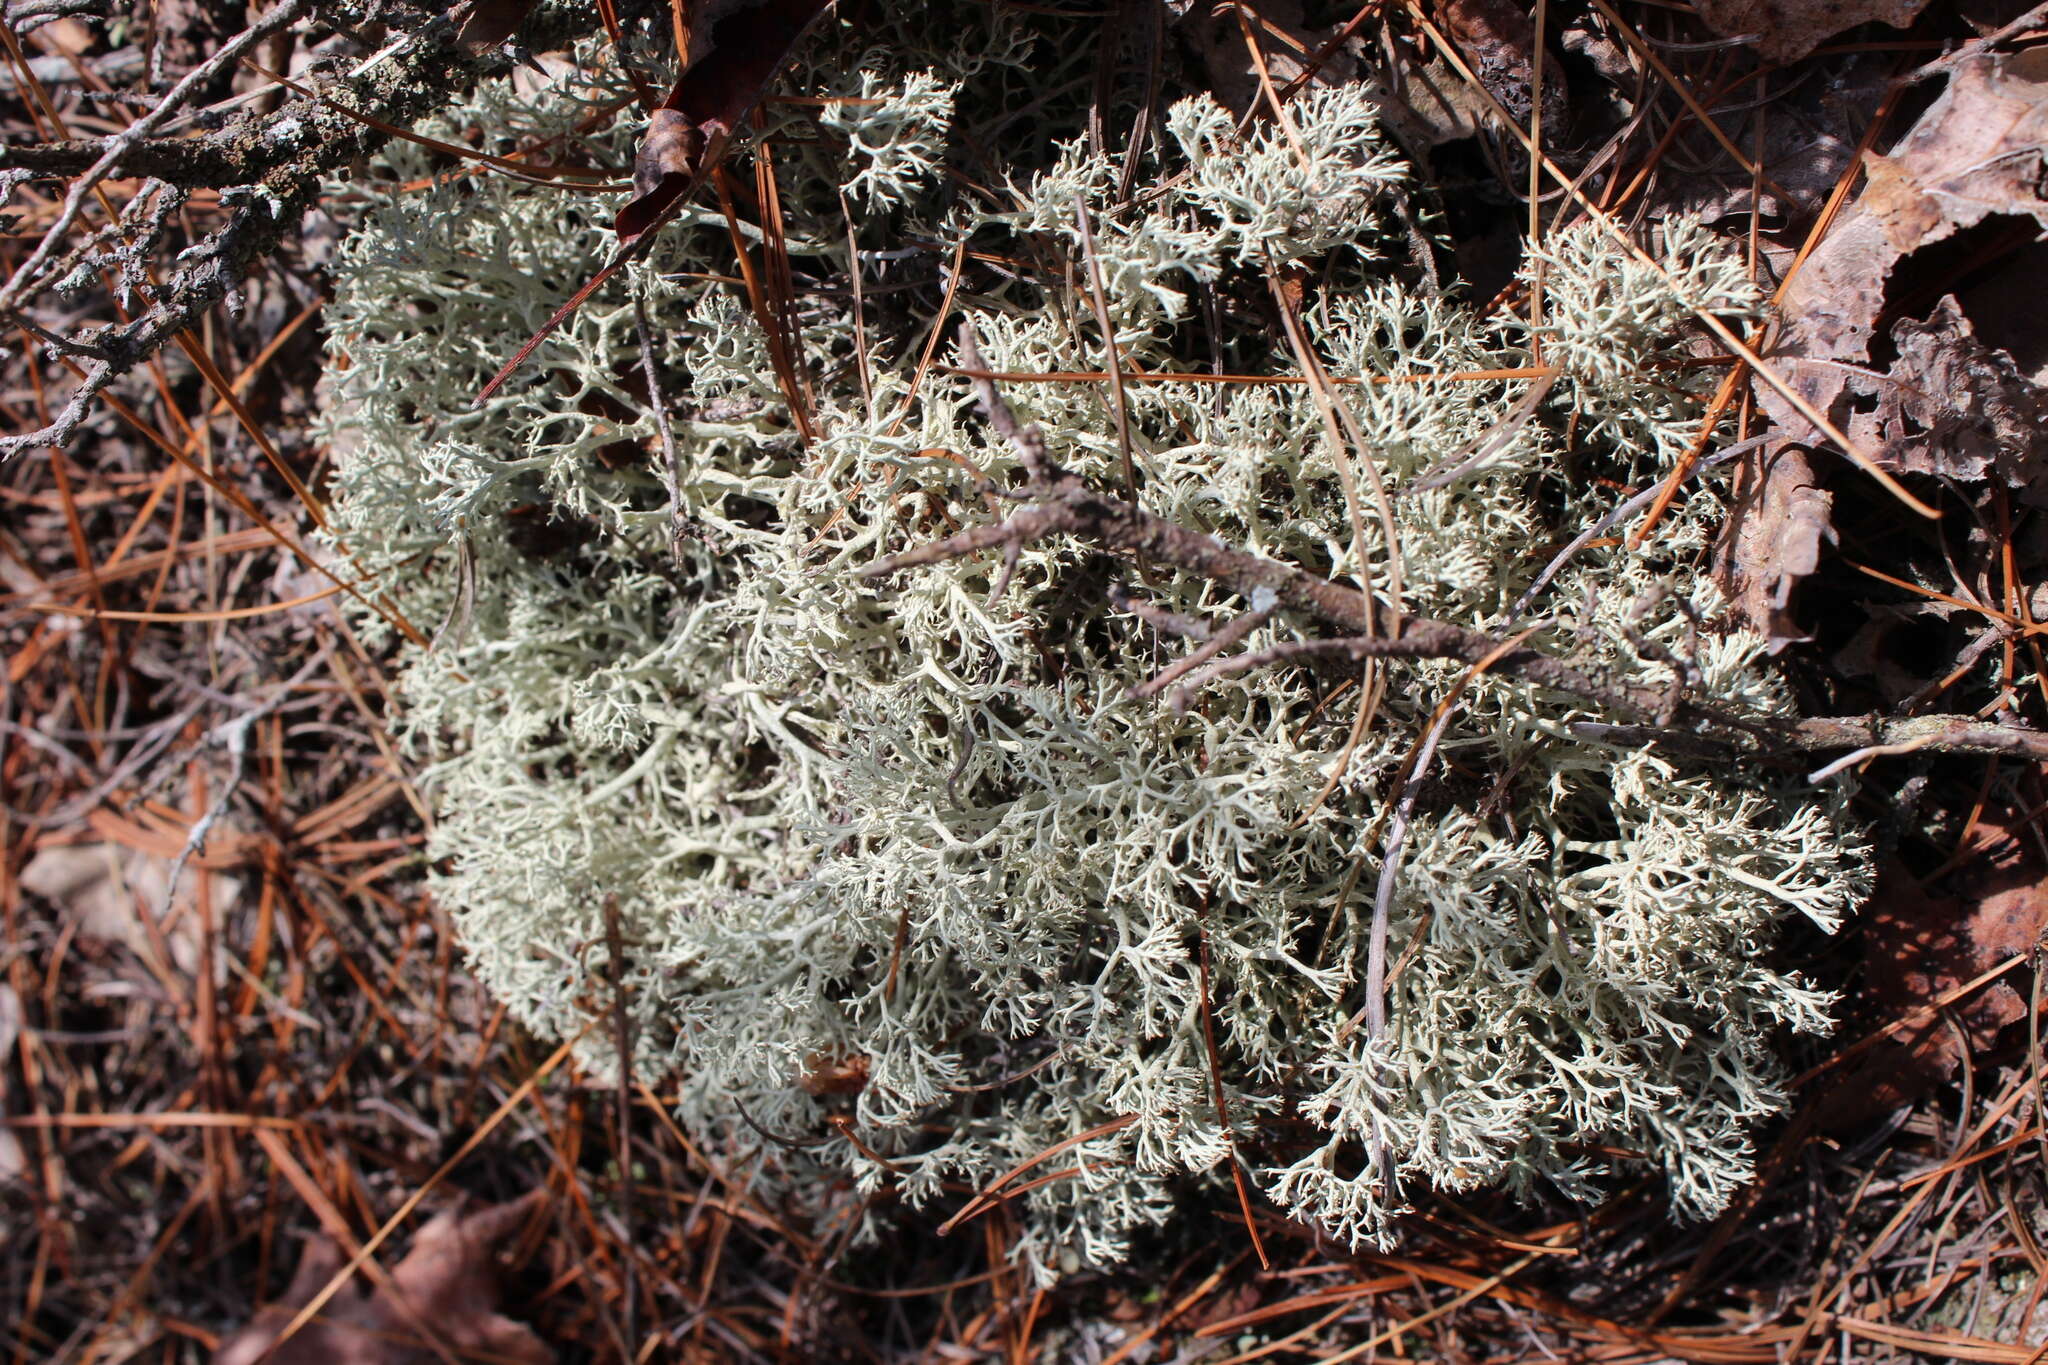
[279, 160]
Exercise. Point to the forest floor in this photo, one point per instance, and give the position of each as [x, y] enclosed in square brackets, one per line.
[232, 1018]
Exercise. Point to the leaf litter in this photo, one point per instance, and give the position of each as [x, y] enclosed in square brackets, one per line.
[447, 1281]
[1912, 326]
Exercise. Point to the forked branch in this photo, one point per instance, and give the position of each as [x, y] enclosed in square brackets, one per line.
[1058, 502]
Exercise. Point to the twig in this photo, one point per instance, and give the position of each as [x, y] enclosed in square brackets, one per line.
[673, 461]
[1057, 502]
[2033, 18]
[1113, 361]
[1262, 607]
[282, 157]
[1495, 439]
[235, 735]
[29, 272]
[622, 1028]
[1159, 618]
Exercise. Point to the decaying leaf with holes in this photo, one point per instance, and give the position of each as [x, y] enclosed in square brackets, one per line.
[1915, 324]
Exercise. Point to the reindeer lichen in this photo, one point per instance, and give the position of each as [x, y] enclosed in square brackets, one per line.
[925, 825]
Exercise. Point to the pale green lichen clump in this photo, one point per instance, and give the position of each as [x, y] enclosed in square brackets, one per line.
[915, 824]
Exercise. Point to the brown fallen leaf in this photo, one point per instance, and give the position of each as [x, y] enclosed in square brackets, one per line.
[687, 136]
[1786, 30]
[1968, 412]
[1499, 42]
[1915, 324]
[447, 1280]
[1888, 649]
[491, 22]
[120, 895]
[1774, 539]
[1918, 947]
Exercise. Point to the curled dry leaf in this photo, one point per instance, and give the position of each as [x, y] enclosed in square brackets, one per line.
[1786, 30]
[1803, 131]
[1915, 324]
[447, 1280]
[687, 135]
[746, 44]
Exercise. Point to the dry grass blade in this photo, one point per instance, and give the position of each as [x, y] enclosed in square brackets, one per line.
[1205, 377]
[1244, 1199]
[769, 312]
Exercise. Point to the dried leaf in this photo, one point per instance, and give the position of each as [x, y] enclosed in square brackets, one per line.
[1786, 30]
[1499, 42]
[491, 22]
[1888, 649]
[1805, 135]
[1919, 947]
[1913, 324]
[828, 1073]
[687, 136]
[13, 1160]
[666, 167]
[1968, 410]
[1776, 535]
[105, 889]
[447, 1280]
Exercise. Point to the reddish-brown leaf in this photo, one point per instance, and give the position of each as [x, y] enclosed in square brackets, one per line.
[491, 22]
[1776, 532]
[1914, 323]
[1786, 30]
[687, 136]
[448, 1281]
[1919, 947]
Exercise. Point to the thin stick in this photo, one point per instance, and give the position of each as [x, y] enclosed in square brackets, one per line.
[622, 1034]
[673, 456]
[1113, 361]
[1244, 1199]
[989, 1197]
[1058, 503]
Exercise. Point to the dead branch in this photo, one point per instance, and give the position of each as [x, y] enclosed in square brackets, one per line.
[273, 164]
[1058, 502]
